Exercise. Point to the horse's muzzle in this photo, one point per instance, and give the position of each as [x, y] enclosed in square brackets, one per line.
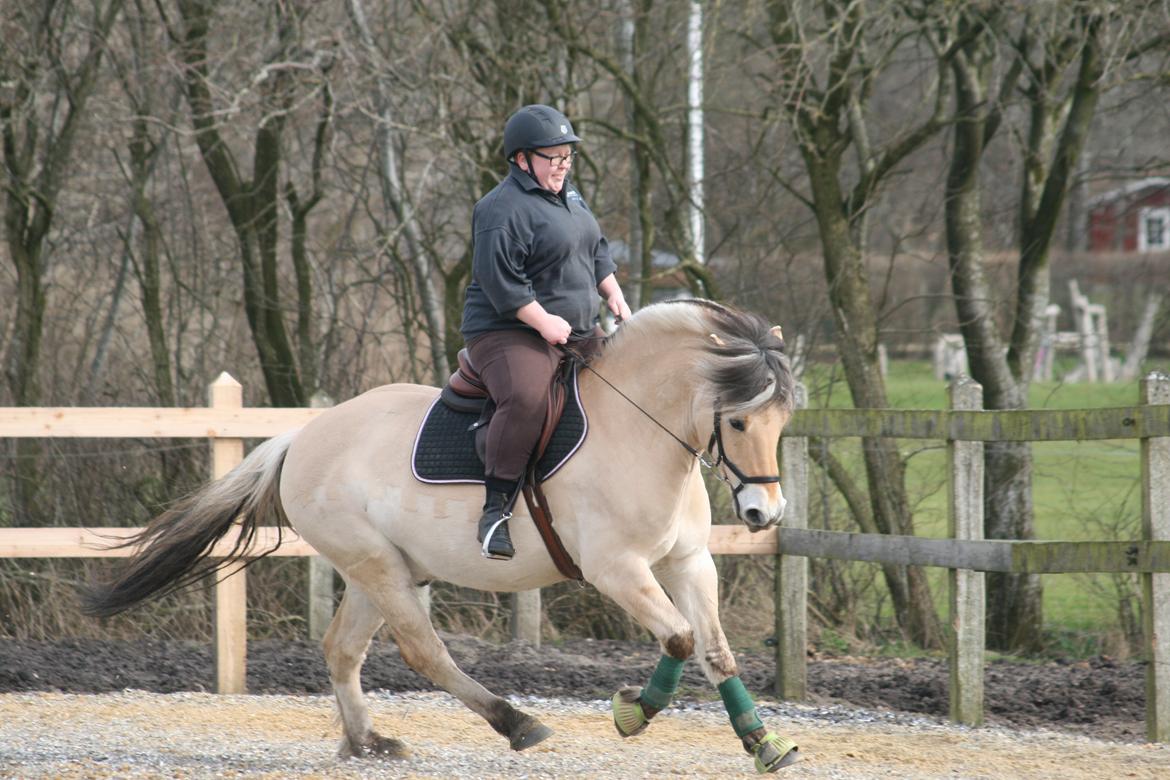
[759, 516]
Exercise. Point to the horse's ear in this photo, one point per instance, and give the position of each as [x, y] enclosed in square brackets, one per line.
[718, 341]
[777, 332]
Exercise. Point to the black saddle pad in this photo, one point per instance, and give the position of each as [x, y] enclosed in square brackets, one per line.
[444, 449]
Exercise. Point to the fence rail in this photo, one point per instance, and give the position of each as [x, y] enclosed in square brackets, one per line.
[967, 556]
[1030, 425]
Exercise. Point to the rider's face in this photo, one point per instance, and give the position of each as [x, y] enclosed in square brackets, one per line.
[549, 173]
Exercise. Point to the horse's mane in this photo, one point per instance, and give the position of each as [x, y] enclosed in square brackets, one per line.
[740, 367]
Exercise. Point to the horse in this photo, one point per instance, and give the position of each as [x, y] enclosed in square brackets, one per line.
[630, 506]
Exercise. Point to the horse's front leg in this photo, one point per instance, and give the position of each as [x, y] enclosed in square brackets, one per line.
[693, 583]
[629, 582]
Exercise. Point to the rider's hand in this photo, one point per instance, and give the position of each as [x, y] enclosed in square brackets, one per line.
[617, 304]
[555, 329]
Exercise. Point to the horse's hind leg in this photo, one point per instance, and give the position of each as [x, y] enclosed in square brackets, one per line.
[386, 581]
[345, 646]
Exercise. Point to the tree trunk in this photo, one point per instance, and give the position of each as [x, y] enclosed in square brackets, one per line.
[1015, 612]
[856, 324]
[1013, 600]
[251, 206]
[421, 257]
[636, 36]
[820, 116]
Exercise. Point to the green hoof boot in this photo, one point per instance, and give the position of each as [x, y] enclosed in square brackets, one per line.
[628, 717]
[774, 752]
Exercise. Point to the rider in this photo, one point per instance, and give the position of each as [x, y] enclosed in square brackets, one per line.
[538, 261]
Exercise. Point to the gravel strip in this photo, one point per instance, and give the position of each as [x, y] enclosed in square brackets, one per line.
[134, 734]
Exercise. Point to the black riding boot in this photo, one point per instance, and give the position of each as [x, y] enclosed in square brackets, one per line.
[493, 523]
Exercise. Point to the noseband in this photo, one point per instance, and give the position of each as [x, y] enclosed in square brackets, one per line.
[716, 441]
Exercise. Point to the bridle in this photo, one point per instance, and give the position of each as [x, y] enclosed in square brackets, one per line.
[715, 442]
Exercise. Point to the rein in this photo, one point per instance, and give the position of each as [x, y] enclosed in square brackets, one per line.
[716, 440]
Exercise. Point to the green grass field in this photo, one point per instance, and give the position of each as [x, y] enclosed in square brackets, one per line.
[1081, 490]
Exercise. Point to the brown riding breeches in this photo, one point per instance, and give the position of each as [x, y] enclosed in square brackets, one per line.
[517, 367]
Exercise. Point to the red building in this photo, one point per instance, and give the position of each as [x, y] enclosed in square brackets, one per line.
[1133, 218]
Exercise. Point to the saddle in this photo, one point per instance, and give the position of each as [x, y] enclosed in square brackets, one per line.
[466, 393]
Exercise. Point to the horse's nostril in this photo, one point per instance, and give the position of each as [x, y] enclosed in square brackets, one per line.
[754, 517]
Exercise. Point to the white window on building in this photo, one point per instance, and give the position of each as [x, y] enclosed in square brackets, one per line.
[1153, 230]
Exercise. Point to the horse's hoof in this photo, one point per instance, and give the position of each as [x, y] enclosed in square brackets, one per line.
[628, 716]
[774, 752]
[375, 746]
[533, 736]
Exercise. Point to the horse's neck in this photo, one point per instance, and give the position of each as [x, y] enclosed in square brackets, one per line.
[664, 382]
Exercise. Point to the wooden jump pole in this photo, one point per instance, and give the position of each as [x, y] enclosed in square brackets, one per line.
[966, 637]
[229, 599]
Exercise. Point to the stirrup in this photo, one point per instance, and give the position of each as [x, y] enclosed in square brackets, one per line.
[490, 534]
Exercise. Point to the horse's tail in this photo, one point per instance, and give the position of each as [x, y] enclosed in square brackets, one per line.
[176, 546]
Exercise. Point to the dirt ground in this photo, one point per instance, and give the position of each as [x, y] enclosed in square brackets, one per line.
[199, 736]
[1099, 698]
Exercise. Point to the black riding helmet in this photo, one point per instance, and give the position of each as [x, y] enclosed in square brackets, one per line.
[535, 127]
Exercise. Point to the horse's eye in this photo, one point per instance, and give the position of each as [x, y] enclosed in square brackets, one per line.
[737, 424]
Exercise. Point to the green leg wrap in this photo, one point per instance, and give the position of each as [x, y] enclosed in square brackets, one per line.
[663, 683]
[739, 706]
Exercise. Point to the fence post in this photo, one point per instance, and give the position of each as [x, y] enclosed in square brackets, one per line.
[230, 593]
[792, 570]
[1155, 389]
[526, 616]
[966, 639]
[320, 570]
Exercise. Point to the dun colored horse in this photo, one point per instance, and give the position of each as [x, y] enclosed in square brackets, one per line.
[631, 509]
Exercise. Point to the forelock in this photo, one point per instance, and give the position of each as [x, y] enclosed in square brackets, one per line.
[746, 363]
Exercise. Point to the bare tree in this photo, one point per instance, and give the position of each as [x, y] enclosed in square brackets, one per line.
[253, 203]
[825, 77]
[395, 194]
[654, 118]
[49, 67]
[1056, 59]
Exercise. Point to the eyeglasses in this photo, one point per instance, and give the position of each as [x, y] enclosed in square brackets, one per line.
[557, 160]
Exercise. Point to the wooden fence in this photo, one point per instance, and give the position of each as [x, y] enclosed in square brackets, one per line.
[963, 427]
[966, 554]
